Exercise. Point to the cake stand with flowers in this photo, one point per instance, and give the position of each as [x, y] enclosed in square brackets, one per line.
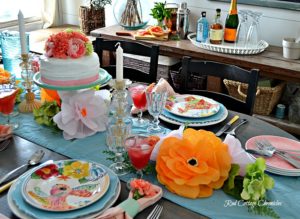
[84, 110]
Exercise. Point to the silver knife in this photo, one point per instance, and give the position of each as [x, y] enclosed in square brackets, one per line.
[227, 126]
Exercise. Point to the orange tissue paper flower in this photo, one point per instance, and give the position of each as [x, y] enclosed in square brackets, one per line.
[194, 165]
[50, 95]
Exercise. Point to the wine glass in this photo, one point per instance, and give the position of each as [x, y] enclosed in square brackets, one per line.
[8, 95]
[242, 30]
[139, 152]
[156, 103]
[138, 95]
[254, 32]
[115, 140]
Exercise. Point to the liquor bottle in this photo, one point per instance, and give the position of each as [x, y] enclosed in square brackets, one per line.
[202, 28]
[231, 23]
[216, 29]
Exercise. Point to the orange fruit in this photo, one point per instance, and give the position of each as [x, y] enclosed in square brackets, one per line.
[156, 31]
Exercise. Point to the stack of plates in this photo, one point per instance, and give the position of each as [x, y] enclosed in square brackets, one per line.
[276, 164]
[194, 110]
[64, 190]
[104, 78]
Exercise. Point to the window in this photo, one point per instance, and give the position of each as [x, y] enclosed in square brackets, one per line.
[31, 10]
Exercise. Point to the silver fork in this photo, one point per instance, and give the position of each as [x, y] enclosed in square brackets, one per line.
[155, 213]
[267, 143]
[271, 150]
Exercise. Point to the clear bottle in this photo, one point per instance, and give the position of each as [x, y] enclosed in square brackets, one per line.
[202, 28]
[216, 29]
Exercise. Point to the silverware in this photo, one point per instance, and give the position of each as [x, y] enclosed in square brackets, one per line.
[232, 132]
[4, 144]
[155, 213]
[34, 159]
[267, 143]
[270, 151]
[227, 126]
[7, 185]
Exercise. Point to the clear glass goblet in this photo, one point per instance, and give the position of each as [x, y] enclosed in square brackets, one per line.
[156, 103]
[254, 32]
[7, 101]
[115, 140]
[139, 152]
[242, 30]
[138, 95]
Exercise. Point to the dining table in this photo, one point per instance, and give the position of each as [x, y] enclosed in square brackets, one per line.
[23, 145]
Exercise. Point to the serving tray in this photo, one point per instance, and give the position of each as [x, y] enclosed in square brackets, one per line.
[229, 48]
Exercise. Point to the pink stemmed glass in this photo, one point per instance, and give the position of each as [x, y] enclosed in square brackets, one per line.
[7, 102]
[138, 96]
[139, 152]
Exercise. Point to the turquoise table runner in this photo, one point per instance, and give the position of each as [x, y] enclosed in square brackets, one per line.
[285, 195]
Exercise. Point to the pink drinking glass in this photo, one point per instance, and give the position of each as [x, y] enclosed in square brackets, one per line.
[139, 152]
[139, 99]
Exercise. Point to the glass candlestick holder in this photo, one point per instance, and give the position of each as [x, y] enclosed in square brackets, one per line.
[29, 103]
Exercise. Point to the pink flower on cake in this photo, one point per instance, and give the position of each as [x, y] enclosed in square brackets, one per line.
[76, 48]
[66, 44]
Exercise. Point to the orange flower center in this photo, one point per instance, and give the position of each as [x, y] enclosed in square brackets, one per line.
[83, 112]
[46, 170]
[192, 161]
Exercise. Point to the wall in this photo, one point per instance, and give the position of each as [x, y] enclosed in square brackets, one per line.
[275, 23]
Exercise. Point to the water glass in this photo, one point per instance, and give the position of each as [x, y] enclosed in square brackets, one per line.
[242, 30]
[156, 103]
[11, 51]
[254, 32]
[115, 140]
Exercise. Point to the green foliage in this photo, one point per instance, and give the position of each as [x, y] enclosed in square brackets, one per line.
[252, 187]
[89, 48]
[98, 4]
[256, 182]
[136, 195]
[44, 115]
[159, 12]
[149, 169]
[18, 97]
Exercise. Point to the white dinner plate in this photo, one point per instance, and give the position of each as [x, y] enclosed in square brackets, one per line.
[192, 106]
[220, 116]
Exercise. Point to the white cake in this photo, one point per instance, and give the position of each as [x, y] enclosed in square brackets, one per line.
[70, 72]
[69, 60]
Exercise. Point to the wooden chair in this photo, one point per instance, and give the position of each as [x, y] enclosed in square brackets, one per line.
[223, 71]
[135, 48]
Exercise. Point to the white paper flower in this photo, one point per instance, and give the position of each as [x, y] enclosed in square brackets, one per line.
[83, 113]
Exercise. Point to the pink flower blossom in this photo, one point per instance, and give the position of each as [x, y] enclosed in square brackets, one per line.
[76, 48]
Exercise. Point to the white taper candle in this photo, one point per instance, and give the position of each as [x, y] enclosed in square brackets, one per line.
[22, 32]
[119, 63]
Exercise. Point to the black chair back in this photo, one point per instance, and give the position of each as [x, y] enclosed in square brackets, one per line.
[135, 48]
[222, 71]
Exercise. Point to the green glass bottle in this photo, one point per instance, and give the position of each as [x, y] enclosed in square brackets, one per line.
[231, 23]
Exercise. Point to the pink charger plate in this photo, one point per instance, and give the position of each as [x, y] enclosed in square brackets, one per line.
[276, 162]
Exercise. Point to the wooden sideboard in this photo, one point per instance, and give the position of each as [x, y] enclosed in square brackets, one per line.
[271, 62]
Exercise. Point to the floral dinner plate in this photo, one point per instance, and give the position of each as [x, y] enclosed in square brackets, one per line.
[192, 106]
[65, 185]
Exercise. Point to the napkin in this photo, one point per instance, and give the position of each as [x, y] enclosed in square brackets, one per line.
[161, 86]
[130, 207]
[5, 132]
[238, 154]
[3, 216]
[83, 113]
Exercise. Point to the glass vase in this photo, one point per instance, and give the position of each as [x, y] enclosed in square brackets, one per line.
[132, 14]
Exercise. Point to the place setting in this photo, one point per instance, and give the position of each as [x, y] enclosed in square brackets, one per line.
[64, 189]
[282, 155]
[193, 110]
